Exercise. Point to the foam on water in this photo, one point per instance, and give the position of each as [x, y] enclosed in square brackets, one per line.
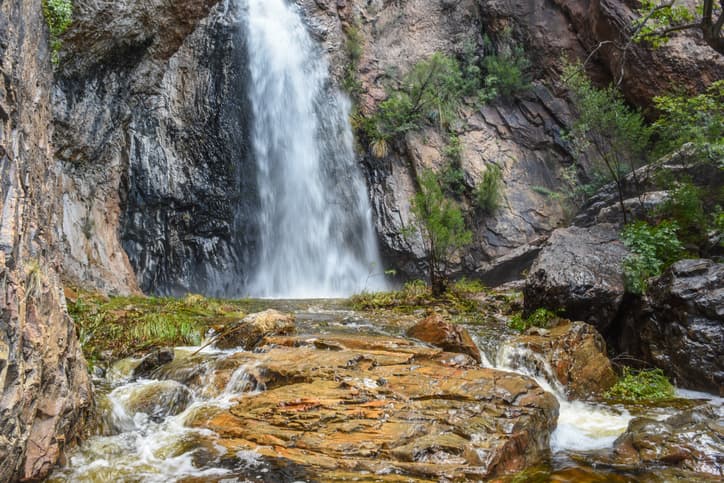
[581, 425]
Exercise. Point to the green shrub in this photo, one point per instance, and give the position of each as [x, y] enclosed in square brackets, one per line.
[452, 176]
[442, 227]
[505, 74]
[539, 318]
[698, 119]
[429, 93]
[488, 192]
[606, 128]
[646, 385]
[58, 15]
[686, 207]
[653, 248]
[354, 49]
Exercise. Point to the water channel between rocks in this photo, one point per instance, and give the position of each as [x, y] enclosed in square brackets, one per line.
[171, 425]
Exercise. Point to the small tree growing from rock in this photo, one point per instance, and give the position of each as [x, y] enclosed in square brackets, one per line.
[440, 223]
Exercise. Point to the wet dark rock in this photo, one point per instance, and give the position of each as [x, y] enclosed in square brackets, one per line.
[153, 361]
[579, 270]
[435, 330]
[157, 399]
[151, 130]
[692, 440]
[679, 327]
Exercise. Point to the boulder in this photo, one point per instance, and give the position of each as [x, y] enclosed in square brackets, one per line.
[153, 361]
[692, 440]
[157, 399]
[437, 331]
[381, 405]
[679, 327]
[573, 353]
[580, 270]
[253, 328]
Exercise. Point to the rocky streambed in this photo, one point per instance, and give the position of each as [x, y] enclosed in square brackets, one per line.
[324, 393]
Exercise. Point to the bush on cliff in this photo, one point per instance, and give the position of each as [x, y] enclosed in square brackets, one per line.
[615, 135]
[58, 15]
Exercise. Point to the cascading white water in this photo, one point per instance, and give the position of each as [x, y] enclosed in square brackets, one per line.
[317, 238]
[581, 425]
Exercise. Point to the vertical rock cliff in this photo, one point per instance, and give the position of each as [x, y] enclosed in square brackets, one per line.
[151, 126]
[45, 394]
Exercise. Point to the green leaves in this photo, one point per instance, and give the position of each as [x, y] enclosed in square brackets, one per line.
[539, 318]
[505, 74]
[698, 119]
[488, 191]
[653, 248]
[441, 225]
[604, 121]
[58, 15]
[659, 15]
[430, 92]
[647, 385]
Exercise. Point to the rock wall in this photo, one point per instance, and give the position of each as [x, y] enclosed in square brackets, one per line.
[152, 126]
[152, 132]
[45, 394]
[522, 136]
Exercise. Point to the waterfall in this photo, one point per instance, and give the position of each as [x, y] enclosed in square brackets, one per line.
[317, 238]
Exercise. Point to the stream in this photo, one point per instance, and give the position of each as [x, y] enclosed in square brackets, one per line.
[148, 430]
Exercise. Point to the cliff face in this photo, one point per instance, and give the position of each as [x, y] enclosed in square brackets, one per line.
[151, 127]
[45, 394]
[522, 136]
[152, 130]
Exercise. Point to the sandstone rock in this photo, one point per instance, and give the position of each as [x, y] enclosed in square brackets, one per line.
[574, 352]
[153, 361]
[579, 270]
[388, 405]
[680, 327]
[253, 328]
[693, 440]
[437, 331]
[45, 392]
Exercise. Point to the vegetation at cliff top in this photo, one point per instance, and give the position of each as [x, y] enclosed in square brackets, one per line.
[645, 385]
[659, 19]
[111, 328]
[58, 15]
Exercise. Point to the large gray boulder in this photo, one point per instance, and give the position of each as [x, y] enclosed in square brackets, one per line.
[680, 327]
[579, 271]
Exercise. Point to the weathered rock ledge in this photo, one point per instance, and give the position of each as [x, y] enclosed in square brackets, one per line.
[384, 405]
